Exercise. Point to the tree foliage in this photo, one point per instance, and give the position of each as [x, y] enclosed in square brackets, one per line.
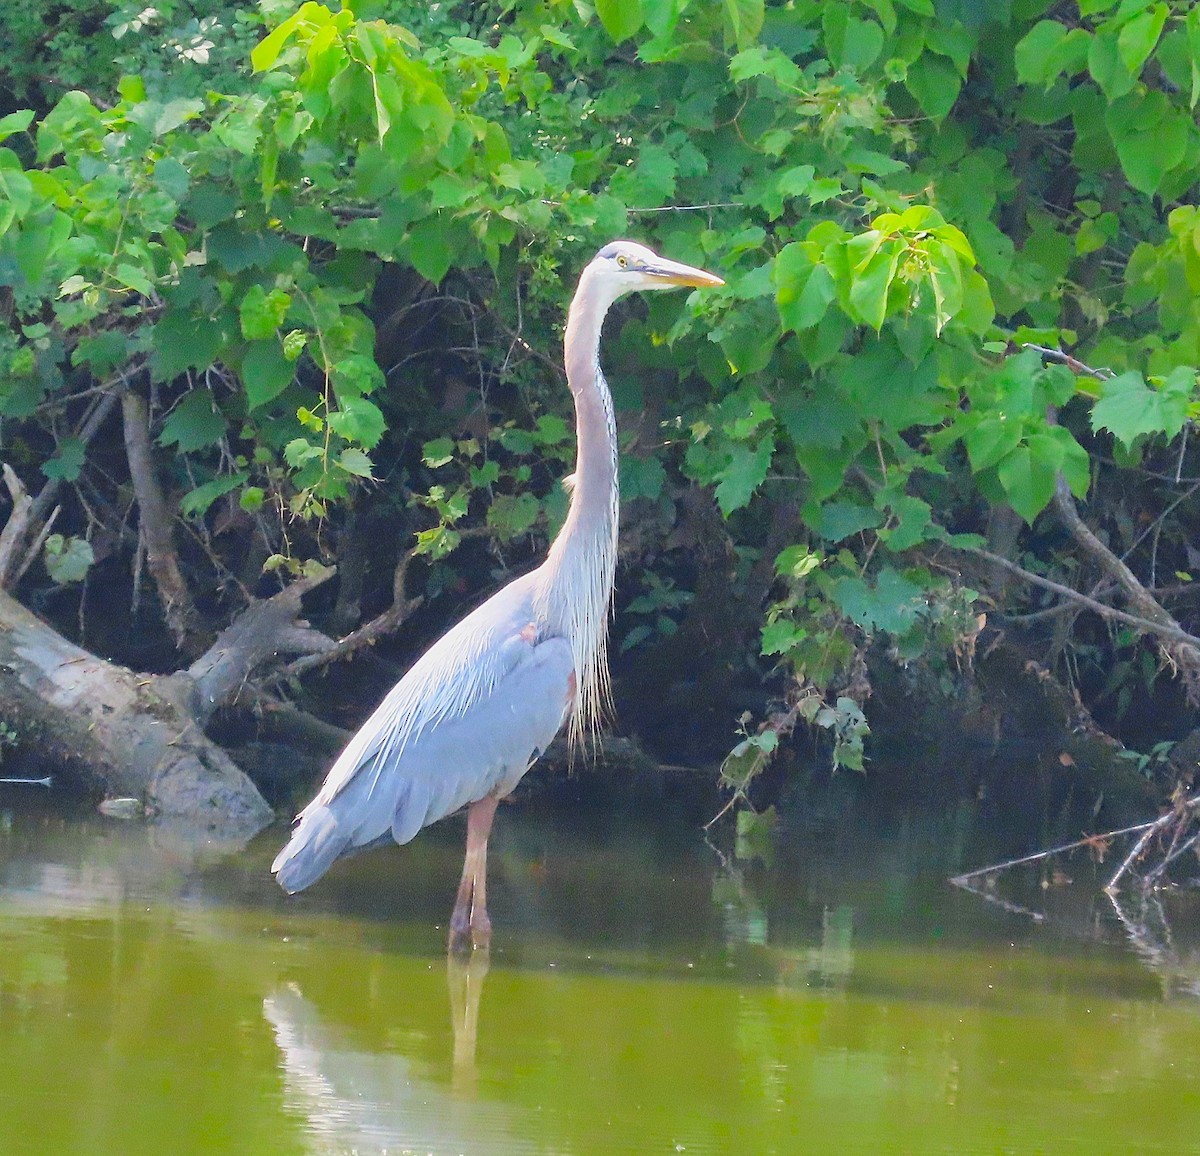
[911, 201]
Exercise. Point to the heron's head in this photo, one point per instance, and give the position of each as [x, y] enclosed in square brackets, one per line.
[625, 266]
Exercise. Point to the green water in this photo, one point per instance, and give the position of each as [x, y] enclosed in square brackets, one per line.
[642, 996]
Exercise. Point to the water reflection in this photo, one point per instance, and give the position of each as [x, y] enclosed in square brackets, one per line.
[464, 979]
[357, 1099]
[642, 996]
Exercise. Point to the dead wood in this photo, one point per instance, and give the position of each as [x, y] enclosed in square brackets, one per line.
[16, 551]
[135, 734]
[265, 629]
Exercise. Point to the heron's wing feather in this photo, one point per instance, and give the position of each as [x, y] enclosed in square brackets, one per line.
[467, 662]
[449, 733]
[487, 749]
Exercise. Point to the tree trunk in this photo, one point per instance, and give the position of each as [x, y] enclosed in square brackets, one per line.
[109, 729]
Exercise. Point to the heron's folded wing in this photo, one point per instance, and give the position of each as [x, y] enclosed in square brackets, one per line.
[464, 666]
[488, 748]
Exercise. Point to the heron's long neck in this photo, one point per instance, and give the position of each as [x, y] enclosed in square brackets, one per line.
[582, 561]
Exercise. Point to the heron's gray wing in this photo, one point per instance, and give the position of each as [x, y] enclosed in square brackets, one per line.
[488, 748]
[466, 663]
[465, 721]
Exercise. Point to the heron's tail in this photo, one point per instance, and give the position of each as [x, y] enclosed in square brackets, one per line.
[316, 842]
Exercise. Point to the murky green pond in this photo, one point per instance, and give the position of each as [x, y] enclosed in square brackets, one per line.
[643, 996]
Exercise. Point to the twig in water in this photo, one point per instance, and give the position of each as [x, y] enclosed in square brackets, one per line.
[1175, 814]
[961, 880]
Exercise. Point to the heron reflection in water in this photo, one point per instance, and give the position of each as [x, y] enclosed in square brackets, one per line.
[479, 707]
[356, 1099]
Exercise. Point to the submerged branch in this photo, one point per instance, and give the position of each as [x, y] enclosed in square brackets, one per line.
[1181, 814]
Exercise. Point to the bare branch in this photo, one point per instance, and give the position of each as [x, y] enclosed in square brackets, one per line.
[1175, 633]
[1072, 363]
[88, 429]
[260, 632]
[401, 609]
[1181, 812]
[155, 520]
[16, 529]
[963, 879]
[1181, 648]
[366, 635]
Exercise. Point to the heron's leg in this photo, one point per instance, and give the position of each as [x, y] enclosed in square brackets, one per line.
[469, 920]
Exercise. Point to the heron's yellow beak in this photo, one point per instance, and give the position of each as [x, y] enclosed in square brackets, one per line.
[666, 272]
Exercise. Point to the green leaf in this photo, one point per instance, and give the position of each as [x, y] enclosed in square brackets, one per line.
[262, 313]
[914, 517]
[133, 278]
[355, 462]
[181, 341]
[194, 423]
[359, 420]
[744, 20]
[796, 562]
[641, 477]
[294, 342]
[16, 191]
[992, 435]
[429, 250]
[1138, 37]
[1107, 68]
[745, 472]
[1151, 138]
[300, 452]
[803, 290]
[172, 178]
[438, 452]
[67, 559]
[779, 636]
[1128, 408]
[836, 521]
[266, 373]
[891, 605]
[871, 282]
[1074, 465]
[1033, 51]
[512, 515]
[15, 122]
[355, 376]
[252, 499]
[1028, 479]
[266, 52]
[197, 502]
[853, 43]
[621, 18]
[175, 113]
[935, 83]
[102, 352]
[67, 462]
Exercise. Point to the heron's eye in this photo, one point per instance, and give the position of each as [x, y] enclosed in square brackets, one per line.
[622, 261]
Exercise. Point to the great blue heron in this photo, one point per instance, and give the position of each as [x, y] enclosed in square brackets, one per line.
[477, 709]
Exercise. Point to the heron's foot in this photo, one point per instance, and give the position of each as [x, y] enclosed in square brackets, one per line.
[470, 928]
